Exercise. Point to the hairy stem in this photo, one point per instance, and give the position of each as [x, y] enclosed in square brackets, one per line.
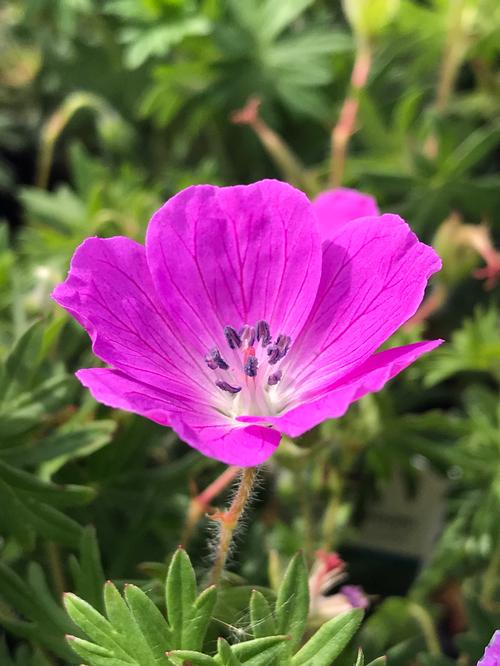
[346, 124]
[201, 503]
[229, 520]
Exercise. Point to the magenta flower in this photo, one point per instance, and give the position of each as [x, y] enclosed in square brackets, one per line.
[491, 655]
[334, 208]
[236, 323]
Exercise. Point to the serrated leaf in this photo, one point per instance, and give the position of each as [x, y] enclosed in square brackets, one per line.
[329, 641]
[124, 622]
[95, 655]
[292, 603]
[180, 598]
[261, 616]
[95, 626]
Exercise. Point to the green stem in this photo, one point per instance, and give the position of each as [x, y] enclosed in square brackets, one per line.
[452, 57]
[305, 502]
[329, 528]
[426, 624]
[490, 579]
[229, 521]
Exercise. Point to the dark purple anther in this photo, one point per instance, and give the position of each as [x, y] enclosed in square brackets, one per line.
[251, 366]
[247, 335]
[232, 337]
[214, 360]
[273, 353]
[273, 379]
[263, 332]
[283, 343]
[227, 387]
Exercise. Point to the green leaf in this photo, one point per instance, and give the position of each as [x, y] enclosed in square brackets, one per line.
[180, 598]
[151, 622]
[260, 651]
[64, 445]
[26, 511]
[277, 15]
[329, 641]
[473, 148]
[87, 571]
[292, 603]
[23, 361]
[225, 656]
[196, 628]
[69, 495]
[261, 616]
[180, 657]
[95, 626]
[95, 655]
[124, 622]
[360, 661]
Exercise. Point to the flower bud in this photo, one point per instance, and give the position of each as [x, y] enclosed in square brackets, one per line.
[369, 17]
[461, 247]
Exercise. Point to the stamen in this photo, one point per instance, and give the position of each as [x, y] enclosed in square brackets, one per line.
[251, 366]
[214, 360]
[273, 379]
[263, 332]
[273, 353]
[227, 387]
[232, 337]
[277, 351]
[283, 342]
[247, 335]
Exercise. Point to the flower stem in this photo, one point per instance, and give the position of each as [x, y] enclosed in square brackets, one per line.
[490, 579]
[426, 623]
[201, 503]
[456, 44]
[344, 129]
[280, 152]
[229, 520]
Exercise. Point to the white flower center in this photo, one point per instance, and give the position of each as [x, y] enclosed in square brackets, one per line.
[247, 372]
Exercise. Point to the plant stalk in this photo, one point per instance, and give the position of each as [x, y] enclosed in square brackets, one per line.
[229, 520]
[201, 503]
[346, 124]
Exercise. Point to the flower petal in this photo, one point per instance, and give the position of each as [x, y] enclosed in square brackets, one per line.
[234, 255]
[367, 378]
[110, 292]
[375, 271]
[491, 655]
[197, 424]
[334, 208]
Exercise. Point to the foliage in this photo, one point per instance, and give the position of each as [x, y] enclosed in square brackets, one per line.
[107, 109]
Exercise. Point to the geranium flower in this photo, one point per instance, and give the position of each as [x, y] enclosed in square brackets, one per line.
[238, 321]
[334, 208]
[491, 655]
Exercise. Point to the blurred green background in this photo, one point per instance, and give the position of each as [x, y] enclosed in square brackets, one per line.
[107, 108]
